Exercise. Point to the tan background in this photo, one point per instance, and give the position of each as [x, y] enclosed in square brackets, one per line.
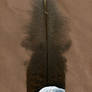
[14, 14]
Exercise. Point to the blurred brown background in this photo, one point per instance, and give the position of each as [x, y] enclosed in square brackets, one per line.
[14, 14]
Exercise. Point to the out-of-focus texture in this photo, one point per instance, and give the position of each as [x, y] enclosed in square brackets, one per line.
[79, 75]
[12, 54]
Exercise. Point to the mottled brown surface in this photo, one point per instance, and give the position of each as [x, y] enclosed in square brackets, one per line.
[14, 14]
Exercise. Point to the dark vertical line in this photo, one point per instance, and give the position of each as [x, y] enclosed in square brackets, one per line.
[46, 25]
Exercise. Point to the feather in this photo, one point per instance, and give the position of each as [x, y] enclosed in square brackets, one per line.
[48, 38]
